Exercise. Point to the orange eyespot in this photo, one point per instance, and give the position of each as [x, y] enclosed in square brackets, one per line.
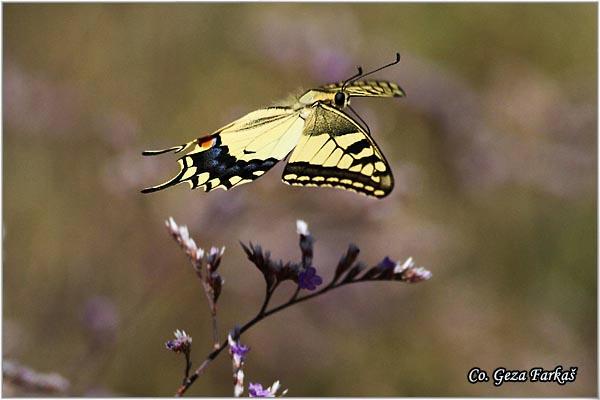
[207, 143]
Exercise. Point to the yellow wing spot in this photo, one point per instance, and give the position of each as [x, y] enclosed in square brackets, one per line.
[345, 162]
[234, 179]
[325, 149]
[365, 152]
[318, 178]
[311, 185]
[358, 184]
[376, 179]
[188, 161]
[245, 181]
[303, 178]
[346, 181]
[202, 178]
[290, 176]
[367, 170]
[346, 188]
[356, 168]
[379, 193]
[380, 166]
[214, 182]
[369, 188]
[296, 184]
[332, 179]
[347, 140]
[333, 159]
[189, 173]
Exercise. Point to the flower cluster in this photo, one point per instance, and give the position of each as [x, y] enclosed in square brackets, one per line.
[182, 235]
[181, 344]
[256, 390]
[348, 270]
[409, 273]
[275, 272]
[303, 272]
[205, 264]
[238, 353]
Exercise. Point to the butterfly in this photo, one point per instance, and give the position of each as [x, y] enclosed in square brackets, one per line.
[328, 147]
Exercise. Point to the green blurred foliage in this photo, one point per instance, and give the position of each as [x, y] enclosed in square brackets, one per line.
[494, 153]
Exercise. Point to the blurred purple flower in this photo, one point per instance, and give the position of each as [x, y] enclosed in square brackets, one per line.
[30, 380]
[308, 279]
[330, 65]
[181, 344]
[101, 319]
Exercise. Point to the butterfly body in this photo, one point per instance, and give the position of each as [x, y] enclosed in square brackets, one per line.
[328, 148]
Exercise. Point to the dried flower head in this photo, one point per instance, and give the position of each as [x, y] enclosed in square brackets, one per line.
[306, 243]
[302, 228]
[181, 344]
[213, 259]
[274, 272]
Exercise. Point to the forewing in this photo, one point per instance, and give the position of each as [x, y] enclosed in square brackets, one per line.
[368, 89]
[334, 151]
[238, 153]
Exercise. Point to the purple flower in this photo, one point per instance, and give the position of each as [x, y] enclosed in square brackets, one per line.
[237, 348]
[101, 319]
[386, 264]
[308, 279]
[181, 344]
[256, 390]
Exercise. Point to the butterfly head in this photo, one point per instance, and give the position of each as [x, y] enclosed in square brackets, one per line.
[341, 99]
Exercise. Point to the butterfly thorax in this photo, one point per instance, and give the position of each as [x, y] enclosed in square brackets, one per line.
[336, 98]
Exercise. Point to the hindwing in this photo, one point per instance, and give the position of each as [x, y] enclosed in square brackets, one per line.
[334, 151]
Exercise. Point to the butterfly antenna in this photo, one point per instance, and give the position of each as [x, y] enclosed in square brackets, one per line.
[376, 70]
[358, 74]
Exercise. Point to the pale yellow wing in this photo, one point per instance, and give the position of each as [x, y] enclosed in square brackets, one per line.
[334, 151]
[239, 152]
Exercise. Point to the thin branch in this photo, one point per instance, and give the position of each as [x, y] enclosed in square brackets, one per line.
[259, 317]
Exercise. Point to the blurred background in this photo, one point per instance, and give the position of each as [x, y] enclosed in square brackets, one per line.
[493, 151]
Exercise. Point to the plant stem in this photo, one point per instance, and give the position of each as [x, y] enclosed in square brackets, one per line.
[262, 314]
